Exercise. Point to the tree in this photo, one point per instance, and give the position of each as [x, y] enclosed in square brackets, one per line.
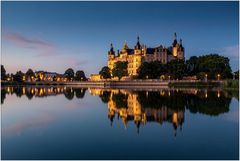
[201, 75]
[191, 66]
[3, 73]
[80, 76]
[18, 77]
[176, 68]
[69, 73]
[158, 69]
[30, 74]
[105, 72]
[144, 70]
[120, 69]
[151, 70]
[236, 74]
[214, 64]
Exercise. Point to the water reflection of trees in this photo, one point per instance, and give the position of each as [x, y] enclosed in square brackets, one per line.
[208, 103]
[171, 99]
[205, 102]
[3, 95]
[105, 96]
[162, 106]
[30, 92]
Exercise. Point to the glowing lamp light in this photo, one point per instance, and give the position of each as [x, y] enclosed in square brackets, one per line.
[218, 76]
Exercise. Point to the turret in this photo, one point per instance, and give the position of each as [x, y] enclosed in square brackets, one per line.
[138, 46]
[181, 46]
[111, 51]
[175, 45]
[174, 40]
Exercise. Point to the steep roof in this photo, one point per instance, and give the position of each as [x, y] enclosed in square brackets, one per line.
[150, 50]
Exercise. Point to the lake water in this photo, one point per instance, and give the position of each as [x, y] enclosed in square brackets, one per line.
[76, 123]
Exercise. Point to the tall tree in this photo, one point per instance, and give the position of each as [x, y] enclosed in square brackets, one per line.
[30, 74]
[80, 76]
[144, 70]
[214, 64]
[176, 68]
[236, 74]
[120, 69]
[105, 72]
[192, 65]
[3, 73]
[18, 77]
[69, 73]
[151, 70]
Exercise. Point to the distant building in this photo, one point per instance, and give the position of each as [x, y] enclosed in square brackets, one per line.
[95, 77]
[49, 76]
[141, 53]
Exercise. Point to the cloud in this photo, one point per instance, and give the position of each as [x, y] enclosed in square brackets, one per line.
[77, 62]
[42, 47]
[231, 51]
[19, 127]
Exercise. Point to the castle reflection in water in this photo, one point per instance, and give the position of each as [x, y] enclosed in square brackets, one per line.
[141, 107]
[126, 105]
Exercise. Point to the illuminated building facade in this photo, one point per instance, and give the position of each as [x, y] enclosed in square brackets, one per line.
[49, 76]
[141, 53]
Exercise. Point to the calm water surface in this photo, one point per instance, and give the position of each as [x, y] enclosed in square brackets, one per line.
[76, 123]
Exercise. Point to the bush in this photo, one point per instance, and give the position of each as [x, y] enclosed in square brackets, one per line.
[200, 76]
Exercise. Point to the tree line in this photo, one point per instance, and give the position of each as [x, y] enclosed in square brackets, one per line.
[30, 75]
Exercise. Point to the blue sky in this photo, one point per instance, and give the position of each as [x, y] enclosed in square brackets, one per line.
[56, 35]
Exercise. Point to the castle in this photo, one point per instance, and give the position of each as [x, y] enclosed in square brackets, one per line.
[141, 53]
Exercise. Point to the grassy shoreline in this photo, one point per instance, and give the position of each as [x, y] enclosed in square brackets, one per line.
[226, 84]
[193, 84]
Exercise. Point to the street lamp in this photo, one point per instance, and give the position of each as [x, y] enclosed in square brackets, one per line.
[218, 76]
[218, 94]
[206, 77]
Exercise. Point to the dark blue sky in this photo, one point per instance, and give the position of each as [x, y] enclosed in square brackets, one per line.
[56, 35]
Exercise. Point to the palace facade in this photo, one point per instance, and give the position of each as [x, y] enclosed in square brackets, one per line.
[141, 53]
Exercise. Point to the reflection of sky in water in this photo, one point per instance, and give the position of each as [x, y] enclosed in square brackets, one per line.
[54, 127]
[233, 114]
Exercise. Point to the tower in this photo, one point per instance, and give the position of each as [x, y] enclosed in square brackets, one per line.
[138, 47]
[111, 56]
[174, 45]
[180, 51]
[111, 52]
